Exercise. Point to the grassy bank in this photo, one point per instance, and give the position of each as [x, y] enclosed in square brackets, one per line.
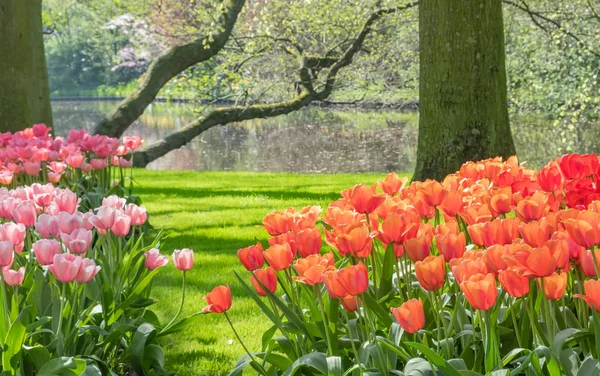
[215, 214]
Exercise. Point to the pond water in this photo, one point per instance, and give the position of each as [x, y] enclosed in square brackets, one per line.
[313, 139]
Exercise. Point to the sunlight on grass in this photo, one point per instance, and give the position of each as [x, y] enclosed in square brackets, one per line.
[215, 214]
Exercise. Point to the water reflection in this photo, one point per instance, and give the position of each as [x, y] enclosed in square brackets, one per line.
[314, 140]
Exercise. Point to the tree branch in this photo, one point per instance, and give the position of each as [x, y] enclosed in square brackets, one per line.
[172, 62]
[226, 115]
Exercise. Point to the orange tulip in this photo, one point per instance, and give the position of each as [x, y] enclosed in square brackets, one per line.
[252, 257]
[535, 233]
[592, 294]
[494, 256]
[278, 222]
[480, 290]
[476, 214]
[356, 239]
[500, 201]
[333, 285]
[410, 315]
[514, 284]
[452, 204]
[219, 300]
[432, 191]
[288, 238]
[419, 247]
[450, 227]
[528, 262]
[451, 246]
[279, 256]
[354, 278]
[584, 232]
[559, 248]
[350, 303]
[550, 177]
[533, 207]
[465, 268]
[267, 277]
[363, 198]
[397, 227]
[574, 248]
[309, 242]
[306, 217]
[422, 207]
[498, 231]
[303, 264]
[431, 272]
[392, 184]
[555, 286]
[586, 261]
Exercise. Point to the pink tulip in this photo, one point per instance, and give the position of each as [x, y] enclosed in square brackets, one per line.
[78, 241]
[40, 130]
[132, 142]
[154, 259]
[138, 214]
[14, 277]
[65, 267]
[86, 168]
[183, 259]
[13, 232]
[69, 223]
[6, 253]
[86, 220]
[122, 225]
[47, 226]
[25, 214]
[32, 168]
[114, 202]
[99, 164]
[74, 160]
[6, 207]
[54, 177]
[45, 250]
[57, 167]
[124, 163]
[88, 270]
[67, 201]
[104, 218]
[6, 176]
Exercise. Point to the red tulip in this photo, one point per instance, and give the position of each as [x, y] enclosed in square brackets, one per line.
[267, 277]
[252, 257]
[219, 300]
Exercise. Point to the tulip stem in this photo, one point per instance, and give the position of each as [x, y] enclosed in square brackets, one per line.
[350, 335]
[181, 304]
[261, 370]
[325, 320]
[407, 276]
[515, 323]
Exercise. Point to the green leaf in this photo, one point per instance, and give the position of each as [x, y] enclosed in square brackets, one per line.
[314, 361]
[446, 368]
[14, 342]
[143, 335]
[334, 366]
[590, 367]
[39, 355]
[383, 314]
[560, 340]
[387, 271]
[417, 367]
[65, 366]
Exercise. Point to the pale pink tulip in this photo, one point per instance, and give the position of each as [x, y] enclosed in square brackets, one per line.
[78, 241]
[99, 164]
[183, 259]
[75, 160]
[13, 232]
[104, 218]
[7, 253]
[122, 224]
[87, 271]
[65, 267]
[25, 214]
[154, 259]
[14, 277]
[67, 201]
[47, 226]
[68, 223]
[45, 250]
[114, 202]
[138, 214]
[54, 177]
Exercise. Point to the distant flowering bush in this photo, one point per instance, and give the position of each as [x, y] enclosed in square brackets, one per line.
[75, 286]
[85, 163]
[492, 271]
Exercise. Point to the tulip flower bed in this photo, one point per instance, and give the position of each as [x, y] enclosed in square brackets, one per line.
[91, 166]
[493, 270]
[75, 286]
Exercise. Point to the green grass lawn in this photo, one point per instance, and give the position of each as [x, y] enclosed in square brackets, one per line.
[215, 214]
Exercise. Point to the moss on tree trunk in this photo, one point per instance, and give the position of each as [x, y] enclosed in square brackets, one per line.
[24, 93]
[462, 89]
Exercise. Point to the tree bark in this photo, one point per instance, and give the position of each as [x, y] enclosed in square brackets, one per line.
[462, 90]
[174, 61]
[226, 115]
[24, 92]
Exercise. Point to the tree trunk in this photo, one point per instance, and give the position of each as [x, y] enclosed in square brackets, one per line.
[462, 89]
[24, 93]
